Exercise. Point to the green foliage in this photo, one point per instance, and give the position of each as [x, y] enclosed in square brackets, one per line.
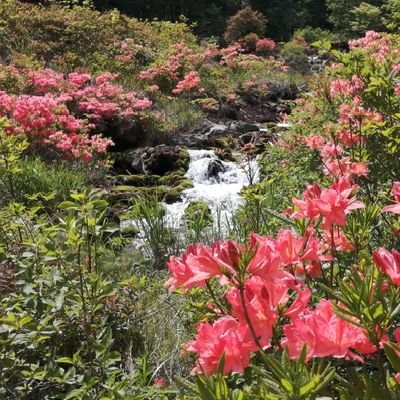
[11, 147]
[295, 56]
[311, 35]
[38, 177]
[392, 19]
[366, 17]
[198, 218]
[66, 39]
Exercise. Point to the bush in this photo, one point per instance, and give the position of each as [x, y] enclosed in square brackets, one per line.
[295, 56]
[312, 35]
[244, 22]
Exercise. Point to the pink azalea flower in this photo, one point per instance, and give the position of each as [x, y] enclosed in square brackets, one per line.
[325, 334]
[223, 337]
[389, 263]
[395, 208]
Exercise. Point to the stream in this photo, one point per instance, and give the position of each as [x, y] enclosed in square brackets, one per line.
[216, 182]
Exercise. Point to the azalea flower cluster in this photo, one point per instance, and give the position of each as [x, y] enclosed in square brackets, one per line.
[265, 45]
[264, 288]
[376, 44]
[182, 70]
[62, 111]
[389, 262]
[259, 282]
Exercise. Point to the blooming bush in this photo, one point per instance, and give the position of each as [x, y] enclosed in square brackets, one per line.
[323, 291]
[63, 111]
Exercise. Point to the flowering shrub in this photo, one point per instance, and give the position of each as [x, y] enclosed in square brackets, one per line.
[324, 291]
[264, 46]
[63, 111]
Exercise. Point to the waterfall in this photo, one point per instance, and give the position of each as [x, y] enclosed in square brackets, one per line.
[216, 182]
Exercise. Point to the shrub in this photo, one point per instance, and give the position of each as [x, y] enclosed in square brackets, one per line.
[249, 42]
[265, 46]
[244, 22]
[312, 35]
[294, 54]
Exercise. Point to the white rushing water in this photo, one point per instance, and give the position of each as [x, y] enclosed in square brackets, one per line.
[221, 190]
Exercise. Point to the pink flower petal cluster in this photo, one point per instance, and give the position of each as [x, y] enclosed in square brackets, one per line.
[212, 341]
[332, 204]
[254, 303]
[375, 44]
[389, 263]
[265, 45]
[325, 335]
[190, 81]
[60, 111]
[395, 208]
[346, 87]
[354, 114]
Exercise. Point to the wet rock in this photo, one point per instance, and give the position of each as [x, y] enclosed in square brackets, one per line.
[214, 168]
[204, 135]
[126, 134]
[282, 91]
[243, 127]
[162, 159]
[229, 111]
[255, 142]
[159, 160]
[225, 154]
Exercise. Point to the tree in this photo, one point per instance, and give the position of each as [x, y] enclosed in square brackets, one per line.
[392, 19]
[244, 22]
[341, 16]
[366, 17]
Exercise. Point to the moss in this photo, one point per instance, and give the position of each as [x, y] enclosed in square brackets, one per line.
[223, 142]
[184, 159]
[185, 184]
[122, 195]
[173, 179]
[225, 155]
[129, 231]
[172, 196]
[136, 180]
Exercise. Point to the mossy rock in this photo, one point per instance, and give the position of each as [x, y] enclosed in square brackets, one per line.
[136, 180]
[225, 155]
[198, 215]
[129, 231]
[172, 196]
[223, 142]
[184, 159]
[185, 184]
[269, 125]
[123, 194]
[173, 179]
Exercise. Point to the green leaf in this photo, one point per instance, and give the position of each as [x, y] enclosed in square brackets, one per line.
[315, 380]
[392, 356]
[287, 385]
[65, 360]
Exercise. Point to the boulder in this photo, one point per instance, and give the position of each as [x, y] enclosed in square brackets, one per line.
[214, 168]
[159, 160]
[204, 135]
[125, 133]
[243, 127]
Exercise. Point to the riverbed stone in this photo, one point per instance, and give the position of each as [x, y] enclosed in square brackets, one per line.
[215, 167]
[158, 160]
